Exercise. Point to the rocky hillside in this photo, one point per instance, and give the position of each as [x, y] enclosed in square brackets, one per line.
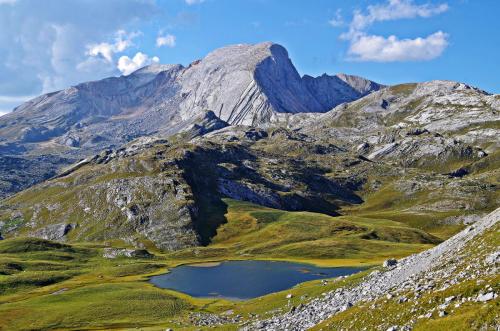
[241, 84]
[430, 290]
[163, 191]
[168, 192]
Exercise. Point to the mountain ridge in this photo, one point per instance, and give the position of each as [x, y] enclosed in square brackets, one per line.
[242, 84]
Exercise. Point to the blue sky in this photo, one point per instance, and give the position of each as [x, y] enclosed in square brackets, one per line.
[52, 44]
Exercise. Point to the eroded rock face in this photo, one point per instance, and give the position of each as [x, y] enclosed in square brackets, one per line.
[121, 198]
[56, 231]
[349, 88]
[249, 192]
[246, 84]
[113, 253]
[414, 124]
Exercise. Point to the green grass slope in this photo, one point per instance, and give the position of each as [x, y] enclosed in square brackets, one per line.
[253, 231]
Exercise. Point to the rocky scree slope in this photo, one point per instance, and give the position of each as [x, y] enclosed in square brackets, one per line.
[470, 257]
[241, 84]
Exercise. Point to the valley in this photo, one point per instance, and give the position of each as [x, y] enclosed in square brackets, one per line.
[38, 274]
[236, 157]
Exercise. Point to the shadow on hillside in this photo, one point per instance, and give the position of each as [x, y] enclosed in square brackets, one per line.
[204, 167]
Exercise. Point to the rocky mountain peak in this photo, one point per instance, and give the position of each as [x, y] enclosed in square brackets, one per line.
[246, 56]
[347, 88]
[241, 84]
[155, 68]
[443, 87]
[246, 84]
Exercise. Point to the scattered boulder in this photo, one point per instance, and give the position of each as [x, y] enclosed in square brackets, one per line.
[255, 134]
[486, 297]
[363, 148]
[72, 141]
[56, 231]
[459, 173]
[493, 258]
[112, 253]
[390, 263]
[449, 299]
[416, 131]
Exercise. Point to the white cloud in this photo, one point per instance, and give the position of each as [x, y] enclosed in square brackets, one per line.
[392, 10]
[381, 49]
[123, 40]
[43, 43]
[193, 2]
[366, 47]
[7, 2]
[167, 40]
[128, 65]
[337, 20]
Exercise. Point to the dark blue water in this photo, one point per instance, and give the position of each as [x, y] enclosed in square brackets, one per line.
[243, 279]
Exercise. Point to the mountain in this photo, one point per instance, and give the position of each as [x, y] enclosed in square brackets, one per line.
[241, 84]
[349, 88]
[414, 123]
[426, 151]
[237, 157]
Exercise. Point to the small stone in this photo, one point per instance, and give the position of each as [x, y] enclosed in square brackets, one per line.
[289, 296]
[486, 297]
[442, 313]
[392, 328]
[390, 263]
[493, 258]
[449, 299]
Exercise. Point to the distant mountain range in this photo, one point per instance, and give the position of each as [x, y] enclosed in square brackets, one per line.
[241, 84]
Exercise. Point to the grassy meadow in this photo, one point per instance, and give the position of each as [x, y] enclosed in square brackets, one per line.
[48, 285]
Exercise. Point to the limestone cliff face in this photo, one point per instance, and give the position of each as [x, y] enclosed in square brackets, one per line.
[331, 91]
[250, 84]
[246, 84]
